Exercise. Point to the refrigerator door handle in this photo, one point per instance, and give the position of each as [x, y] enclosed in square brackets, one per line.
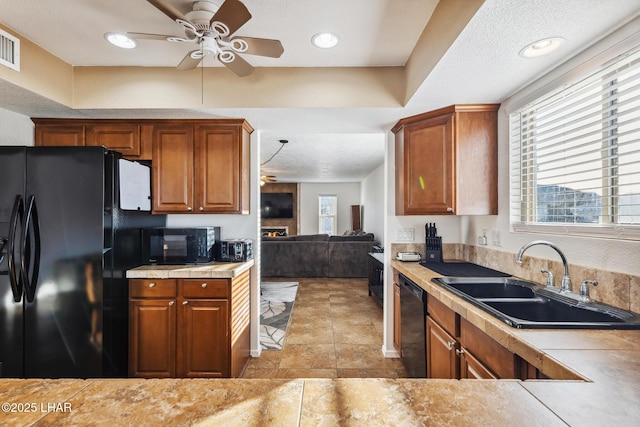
[28, 260]
[16, 219]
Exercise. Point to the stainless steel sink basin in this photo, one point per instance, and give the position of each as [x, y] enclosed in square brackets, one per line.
[524, 304]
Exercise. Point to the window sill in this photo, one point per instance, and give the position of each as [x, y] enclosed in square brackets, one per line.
[618, 232]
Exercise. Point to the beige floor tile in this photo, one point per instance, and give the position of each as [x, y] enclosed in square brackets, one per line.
[335, 331]
[359, 334]
[307, 373]
[310, 356]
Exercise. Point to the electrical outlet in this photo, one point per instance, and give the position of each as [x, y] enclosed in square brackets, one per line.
[406, 235]
[495, 238]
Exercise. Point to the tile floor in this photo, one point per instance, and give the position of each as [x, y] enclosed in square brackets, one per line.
[335, 331]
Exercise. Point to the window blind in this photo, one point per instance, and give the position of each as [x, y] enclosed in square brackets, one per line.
[575, 153]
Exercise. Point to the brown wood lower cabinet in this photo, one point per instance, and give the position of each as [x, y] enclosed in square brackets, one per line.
[457, 349]
[189, 327]
[441, 352]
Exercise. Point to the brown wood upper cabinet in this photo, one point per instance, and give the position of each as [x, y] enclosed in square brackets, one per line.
[201, 167]
[131, 138]
[446, 162]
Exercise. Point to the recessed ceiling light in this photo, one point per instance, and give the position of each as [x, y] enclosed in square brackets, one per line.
[541, 47]
[324, 40]
[120, 40]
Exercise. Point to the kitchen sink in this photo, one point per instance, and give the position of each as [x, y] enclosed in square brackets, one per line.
[490, 287]
[524, 304]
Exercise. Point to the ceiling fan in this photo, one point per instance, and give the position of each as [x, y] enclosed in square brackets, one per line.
[267, 179]
[211, 25]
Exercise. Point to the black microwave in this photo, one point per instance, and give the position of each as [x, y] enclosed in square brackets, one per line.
[162, 245]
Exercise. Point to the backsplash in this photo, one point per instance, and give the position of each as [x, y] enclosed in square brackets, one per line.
[617, 289]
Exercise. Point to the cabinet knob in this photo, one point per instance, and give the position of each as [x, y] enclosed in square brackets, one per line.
[185, 302]
[201, 209]
[152, 285]
[449, 209]
[204, 285]
[459, 352]
[171, 302]
[189, 208]
[451, 344]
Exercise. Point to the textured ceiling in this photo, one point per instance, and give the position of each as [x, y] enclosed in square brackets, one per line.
[330, 144]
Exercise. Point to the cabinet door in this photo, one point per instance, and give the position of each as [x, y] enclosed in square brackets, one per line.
[63, 135]
[173, 158]
[203, 347]
[219, 169]
[471, 368]
[441, 352]
[428, 167]
[124, 138]
[152, 338]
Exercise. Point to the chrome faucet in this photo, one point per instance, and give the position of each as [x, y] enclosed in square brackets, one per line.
[584, 289]
[565, 285]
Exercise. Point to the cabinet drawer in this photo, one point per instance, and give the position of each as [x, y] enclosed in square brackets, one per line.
[150, 288]
[444, 316]
[205, 288]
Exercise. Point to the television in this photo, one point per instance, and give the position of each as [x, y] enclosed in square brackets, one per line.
[276, 205]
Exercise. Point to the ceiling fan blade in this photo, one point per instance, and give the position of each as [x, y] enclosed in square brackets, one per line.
[145, 36]
[189, 62]
[167, 9]
[239, 66]
[233, 14]
[262, 47]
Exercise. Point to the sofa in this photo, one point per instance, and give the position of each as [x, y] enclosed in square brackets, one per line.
[316, 255]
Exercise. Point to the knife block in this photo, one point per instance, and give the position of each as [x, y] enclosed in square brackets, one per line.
[434, 249]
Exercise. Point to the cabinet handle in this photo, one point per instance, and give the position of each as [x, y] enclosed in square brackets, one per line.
[204, 285]
[451, 344]
[449, 209]
[201, 209]
[189, 208]
[185, 302]
[152, 285]
[459, 352]
[171, 302]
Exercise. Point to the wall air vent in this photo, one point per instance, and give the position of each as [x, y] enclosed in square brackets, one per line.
[9, 50]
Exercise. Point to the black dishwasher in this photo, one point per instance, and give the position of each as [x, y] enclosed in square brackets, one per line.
[413, 312]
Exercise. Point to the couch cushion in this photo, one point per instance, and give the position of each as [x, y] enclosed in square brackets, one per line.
[294, 259]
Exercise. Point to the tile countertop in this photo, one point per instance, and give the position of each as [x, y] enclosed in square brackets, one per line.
[600, 369]
[214, 270]
[600, 386]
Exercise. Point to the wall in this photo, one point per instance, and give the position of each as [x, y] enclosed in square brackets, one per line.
[15, 129]
[291, 223]
[348, 194]
[372, 196]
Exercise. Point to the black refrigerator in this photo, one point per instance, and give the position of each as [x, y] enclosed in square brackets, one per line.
[65, 247]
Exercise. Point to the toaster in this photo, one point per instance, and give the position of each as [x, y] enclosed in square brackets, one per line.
[236, 250]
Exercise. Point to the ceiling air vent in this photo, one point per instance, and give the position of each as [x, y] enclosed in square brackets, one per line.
[9, 50]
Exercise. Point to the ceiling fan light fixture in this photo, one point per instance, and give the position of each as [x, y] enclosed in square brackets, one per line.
[541, 47]
[121, 40]
[324, 40]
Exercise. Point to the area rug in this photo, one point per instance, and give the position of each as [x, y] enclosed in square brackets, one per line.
[276, 303]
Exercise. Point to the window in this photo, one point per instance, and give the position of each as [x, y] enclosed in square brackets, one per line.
[328, 214]
[575, 155]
